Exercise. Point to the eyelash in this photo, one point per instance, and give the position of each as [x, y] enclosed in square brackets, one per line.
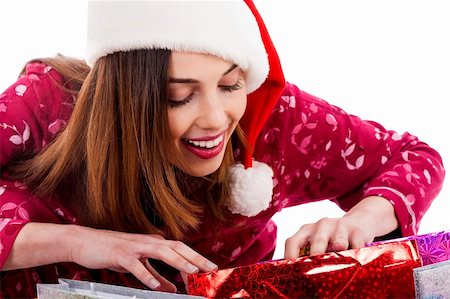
[225, 88]
[174, 104]
[234, 87]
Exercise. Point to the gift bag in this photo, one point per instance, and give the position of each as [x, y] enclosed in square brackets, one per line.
[75, 289]
[433, 281]
[380, 271]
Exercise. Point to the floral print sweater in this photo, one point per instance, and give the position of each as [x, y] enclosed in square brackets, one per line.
[316, 150]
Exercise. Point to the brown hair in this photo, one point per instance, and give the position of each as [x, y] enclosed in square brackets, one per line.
[111, 161]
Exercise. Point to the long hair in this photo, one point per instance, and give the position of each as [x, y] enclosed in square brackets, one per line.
[111, 162]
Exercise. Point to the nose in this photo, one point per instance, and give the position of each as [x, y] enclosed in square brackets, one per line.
[213, 112]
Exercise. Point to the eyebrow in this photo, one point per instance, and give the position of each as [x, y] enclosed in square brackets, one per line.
[186, 80]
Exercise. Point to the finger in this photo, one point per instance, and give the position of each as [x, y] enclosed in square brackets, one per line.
[136, 237]
[117, 269]
[138, 269]
[319, 243]
[156, 236]
[172, 257]
[339, 240]
[192, 256]
[293, 244]
[166, 286]
[320, 239]
[190, 261]
[185, 280]
[357, 239]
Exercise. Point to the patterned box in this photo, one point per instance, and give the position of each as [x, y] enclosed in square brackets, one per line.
[433, 247]
[380, 271]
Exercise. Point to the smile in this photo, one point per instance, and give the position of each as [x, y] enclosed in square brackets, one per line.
[205, 149]
[207, 144]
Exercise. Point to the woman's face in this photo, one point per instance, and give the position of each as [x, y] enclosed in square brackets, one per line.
[207, 98]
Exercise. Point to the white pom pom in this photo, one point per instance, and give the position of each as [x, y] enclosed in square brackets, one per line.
[251, 188]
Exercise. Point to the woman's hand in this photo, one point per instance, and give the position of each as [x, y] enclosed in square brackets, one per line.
[372, 217]
[47, 243]
[125, 252]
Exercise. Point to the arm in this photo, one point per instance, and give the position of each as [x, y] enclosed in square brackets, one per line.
[329, 154]
[32, 111]
[40, 244]
[37, 232]
[47, 243]
[372, 216]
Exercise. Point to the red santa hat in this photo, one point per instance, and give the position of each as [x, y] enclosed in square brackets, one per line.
[232, 30]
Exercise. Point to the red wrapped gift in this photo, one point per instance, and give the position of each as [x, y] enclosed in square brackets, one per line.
[380, 271]
[433, 247]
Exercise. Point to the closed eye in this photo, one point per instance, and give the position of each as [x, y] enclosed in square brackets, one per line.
[230, 88]
[226, 88]
[178, 103]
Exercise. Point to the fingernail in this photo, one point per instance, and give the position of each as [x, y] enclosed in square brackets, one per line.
[211, 266]
[154, 283]
[191, 268]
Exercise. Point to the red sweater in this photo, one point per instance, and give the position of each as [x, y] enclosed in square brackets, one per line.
[316, 150]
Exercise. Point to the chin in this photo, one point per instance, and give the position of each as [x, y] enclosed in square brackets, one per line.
[202, 172]
[203, 169]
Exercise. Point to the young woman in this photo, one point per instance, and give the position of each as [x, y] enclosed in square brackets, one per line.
[172, 147]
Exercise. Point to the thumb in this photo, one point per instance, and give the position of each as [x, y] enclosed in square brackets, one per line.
[185, 280]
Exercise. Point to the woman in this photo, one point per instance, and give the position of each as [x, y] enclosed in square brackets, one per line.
[173, 147]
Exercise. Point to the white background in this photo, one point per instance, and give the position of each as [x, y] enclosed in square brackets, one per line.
[387, 61]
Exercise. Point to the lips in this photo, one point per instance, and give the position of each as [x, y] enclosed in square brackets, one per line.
[205, 148]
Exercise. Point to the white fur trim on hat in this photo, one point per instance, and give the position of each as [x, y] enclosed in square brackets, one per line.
[226, 29]
[251, 188]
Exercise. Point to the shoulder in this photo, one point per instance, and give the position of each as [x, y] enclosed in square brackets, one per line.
[293, 95]
[33, 110]
[35, 72]
[294, 103]
[42, 75]
[296, 111]
[37, 81]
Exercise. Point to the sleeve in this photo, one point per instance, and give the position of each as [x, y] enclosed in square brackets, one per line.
[319, 152]
[32, 111]
[18, 207]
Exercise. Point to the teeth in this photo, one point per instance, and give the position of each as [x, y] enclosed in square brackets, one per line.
[206, 144]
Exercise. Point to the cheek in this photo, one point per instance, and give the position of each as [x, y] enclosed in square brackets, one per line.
[176, 124]
[239, 106]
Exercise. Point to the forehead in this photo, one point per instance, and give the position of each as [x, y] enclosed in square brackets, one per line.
[182, 62]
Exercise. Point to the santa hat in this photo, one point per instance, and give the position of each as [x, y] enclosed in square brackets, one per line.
[232, 30]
